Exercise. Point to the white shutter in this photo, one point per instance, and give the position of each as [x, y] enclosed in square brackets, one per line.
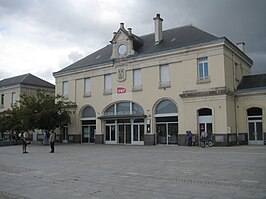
[137, 78]
[164, 72]
[108, 83]
[87, 87]
[65, 89]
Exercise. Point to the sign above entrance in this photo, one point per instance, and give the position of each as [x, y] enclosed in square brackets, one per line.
[121, 90]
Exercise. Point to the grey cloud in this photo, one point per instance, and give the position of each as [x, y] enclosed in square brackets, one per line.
[65, 23]
[74, 56]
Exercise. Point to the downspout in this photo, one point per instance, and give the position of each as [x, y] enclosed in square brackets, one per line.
[235, 96]
[235, 101]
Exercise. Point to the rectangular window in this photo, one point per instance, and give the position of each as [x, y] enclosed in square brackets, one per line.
[87, 89]
[13, 99]
[2, 100]
[164, 76]
[203, 70]
[137, 80]
[65, 90]
[108, 84]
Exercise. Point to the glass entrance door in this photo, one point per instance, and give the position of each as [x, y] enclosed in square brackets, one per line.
[88, 134]
[110, 134]
[167, 133]
[124, 133]
[255, 134]
[138, 134]
[206, 130]
[172, 133]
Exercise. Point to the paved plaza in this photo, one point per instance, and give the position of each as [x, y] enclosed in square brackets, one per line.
[119, 172]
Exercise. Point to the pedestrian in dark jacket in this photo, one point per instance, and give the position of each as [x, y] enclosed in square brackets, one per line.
[189, 137]
[52, 141]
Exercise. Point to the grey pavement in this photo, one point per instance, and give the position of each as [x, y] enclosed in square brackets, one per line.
[120, 172]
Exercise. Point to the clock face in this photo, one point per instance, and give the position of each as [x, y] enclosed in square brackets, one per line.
[122, 49]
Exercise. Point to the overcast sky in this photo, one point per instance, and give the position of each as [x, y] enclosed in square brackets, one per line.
[43, 36]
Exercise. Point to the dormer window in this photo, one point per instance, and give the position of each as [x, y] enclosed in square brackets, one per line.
[124, 43]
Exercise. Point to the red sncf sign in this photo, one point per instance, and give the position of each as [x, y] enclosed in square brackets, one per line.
[121, 90]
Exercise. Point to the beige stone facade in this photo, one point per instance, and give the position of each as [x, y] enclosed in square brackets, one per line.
[143, 91]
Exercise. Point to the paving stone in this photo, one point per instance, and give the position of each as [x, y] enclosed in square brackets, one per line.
[117, 171]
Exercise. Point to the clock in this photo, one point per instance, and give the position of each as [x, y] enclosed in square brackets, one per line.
[122, 49]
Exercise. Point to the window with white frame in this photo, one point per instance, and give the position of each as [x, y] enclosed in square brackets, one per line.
[2, 100]
[203, 70]
[137, 80]
[87, 89]
[65, 90]
[164, 76]
[108, 84]
[13, 99]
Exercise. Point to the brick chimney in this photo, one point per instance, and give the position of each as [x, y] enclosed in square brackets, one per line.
[158, 29]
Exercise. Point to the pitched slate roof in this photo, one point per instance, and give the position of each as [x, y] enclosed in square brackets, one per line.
[252, 82]
[175, 38]
[27, 79]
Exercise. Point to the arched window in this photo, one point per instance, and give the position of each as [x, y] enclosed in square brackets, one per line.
[255, 111]
[205, 112]
[166, 107]
[124, 108]
[88, 112]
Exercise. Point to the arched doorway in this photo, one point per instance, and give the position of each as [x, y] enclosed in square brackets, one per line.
[205, 122]
[88, 122]
[124, 123]
[255, 132]
[166, 117]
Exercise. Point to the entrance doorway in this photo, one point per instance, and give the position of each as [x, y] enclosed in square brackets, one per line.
[125, 131]
[88, 122]
[167, 133]
[110, 134]
[138, 132]
[88, 134]
[255, 132]
[166, 116]
[205, 123]
[124, 123]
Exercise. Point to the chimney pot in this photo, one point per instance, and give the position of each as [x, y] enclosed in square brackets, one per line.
[241, 46]
[122, 25]
[158, 29]
[129, 31]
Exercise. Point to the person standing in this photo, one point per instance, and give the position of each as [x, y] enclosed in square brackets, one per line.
[25, 138]
[52, 141]
[44, 137]
[189, 137]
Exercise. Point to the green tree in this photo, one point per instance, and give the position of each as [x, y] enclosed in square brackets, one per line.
[43, 111]
[10, 121]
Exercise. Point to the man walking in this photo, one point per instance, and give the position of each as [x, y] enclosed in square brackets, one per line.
[52, 141]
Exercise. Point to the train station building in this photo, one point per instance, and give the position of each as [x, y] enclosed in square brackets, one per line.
[151, 89]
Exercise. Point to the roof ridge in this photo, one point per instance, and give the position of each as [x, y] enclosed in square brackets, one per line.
[26, 76]
[179, 27]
